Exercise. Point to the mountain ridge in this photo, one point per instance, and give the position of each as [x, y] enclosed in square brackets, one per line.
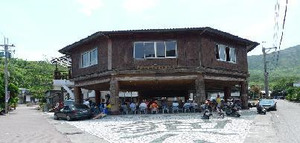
[288, 65]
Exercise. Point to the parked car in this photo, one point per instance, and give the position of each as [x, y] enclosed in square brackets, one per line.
[252, 103]
[72, 112]
[268, 104]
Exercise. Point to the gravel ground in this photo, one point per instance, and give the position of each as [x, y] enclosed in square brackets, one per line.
[167, 128]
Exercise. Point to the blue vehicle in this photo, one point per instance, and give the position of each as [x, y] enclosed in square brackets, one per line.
[268, 104]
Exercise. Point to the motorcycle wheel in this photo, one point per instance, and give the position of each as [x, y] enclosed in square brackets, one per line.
[222, 115]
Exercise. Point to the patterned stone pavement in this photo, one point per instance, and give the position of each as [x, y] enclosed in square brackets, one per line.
[167, 128]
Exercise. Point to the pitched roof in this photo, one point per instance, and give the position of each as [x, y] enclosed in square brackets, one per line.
[207, 30]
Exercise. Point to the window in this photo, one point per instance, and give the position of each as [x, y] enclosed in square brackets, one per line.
[139, 50]
[160, 49]
[84, 59]
[155, 49]
[225, 53]
[94, 57]
[217, 52]
[89, 58]
[170, 49]
[149, 49]
[222, 52]
[233, 56]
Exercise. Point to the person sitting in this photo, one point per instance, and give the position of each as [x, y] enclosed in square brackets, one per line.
[186, 106]
[124, 108]
[132, 107]
[154, 107]
[101, 114]
[175, 106]
[86, 102]
[194, 106]
[59, 105]
[108, 107]
[143, 107]
[165, 107]
[206, 105]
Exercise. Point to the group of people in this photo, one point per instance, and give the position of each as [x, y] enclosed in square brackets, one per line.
[98, 111]
[154, 106]
[219, 104]
[143, 107]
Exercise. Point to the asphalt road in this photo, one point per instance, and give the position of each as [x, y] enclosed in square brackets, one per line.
[26, 125]
[281, 126]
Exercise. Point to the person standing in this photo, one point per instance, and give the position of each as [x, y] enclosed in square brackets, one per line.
[218, 99]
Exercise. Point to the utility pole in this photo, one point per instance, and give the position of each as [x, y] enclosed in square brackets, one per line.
[5, 45]
[266, 74]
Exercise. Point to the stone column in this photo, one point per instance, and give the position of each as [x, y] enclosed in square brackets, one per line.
[114, 96]
[244, 94]
[78, 95]
[227, 93]
[97, 97]
[200, 90]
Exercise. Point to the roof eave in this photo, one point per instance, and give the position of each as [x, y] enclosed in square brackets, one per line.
[252, 46]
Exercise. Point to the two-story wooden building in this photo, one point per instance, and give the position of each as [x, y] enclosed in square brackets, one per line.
[160, 62]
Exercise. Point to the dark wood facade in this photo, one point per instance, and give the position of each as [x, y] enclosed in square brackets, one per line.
[195, 68]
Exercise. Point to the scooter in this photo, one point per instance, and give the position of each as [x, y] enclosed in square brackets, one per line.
[261, 110]
[221, 113]
[207, 113]
[232, 111]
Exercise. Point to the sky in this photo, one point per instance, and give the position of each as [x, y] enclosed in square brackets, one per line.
[39, 28]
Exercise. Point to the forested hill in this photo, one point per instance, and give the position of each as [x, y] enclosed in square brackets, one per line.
[288, 65]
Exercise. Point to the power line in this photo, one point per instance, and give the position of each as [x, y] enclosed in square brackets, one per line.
[276, 46]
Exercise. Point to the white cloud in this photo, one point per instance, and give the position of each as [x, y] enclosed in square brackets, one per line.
[139, 5]
[89, 5]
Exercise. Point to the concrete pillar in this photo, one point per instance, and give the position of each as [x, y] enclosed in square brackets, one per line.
[200, 90]
[227, 93]
[97, 97]
[244, 94]
[114, 96]
[78, 95]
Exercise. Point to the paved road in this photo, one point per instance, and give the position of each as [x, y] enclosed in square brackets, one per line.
[281, 126]
[26, 125]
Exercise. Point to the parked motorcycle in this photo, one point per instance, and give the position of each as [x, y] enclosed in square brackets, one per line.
[261, 110]
[207, 113]
[2, 111]
[221, 113]
[232, 110]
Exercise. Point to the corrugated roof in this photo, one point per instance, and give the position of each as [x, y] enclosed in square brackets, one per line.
[250, 44]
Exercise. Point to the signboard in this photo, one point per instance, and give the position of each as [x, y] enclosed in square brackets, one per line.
[2, 54]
